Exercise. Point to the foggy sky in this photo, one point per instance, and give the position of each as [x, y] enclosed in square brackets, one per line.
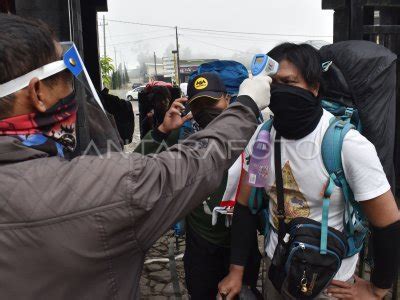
[131, 43]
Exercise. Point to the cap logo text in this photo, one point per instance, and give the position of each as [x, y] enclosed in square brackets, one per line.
[200, 83]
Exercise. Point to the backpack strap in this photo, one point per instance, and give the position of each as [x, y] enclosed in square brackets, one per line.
[279, 189]
[332, 157]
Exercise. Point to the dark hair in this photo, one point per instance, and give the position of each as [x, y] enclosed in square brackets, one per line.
[304, 56]
[25, 45]
[159, 93]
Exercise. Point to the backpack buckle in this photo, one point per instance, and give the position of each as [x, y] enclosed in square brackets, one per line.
[339, 175]
[280, 214]
[349, 112]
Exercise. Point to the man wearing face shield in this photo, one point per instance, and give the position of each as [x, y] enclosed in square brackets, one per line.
[301, 122]
[207, 247]
[80, 228]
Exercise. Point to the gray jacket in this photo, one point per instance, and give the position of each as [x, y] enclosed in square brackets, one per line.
[80, 229]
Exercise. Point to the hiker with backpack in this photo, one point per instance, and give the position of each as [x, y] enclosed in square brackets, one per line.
[324, 180]
[207, 251]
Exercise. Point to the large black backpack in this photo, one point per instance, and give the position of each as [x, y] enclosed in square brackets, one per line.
[362, 75]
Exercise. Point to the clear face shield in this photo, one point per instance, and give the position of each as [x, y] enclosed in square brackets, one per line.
[95, 133]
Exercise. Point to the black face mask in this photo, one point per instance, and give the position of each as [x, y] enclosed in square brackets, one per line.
[205, 116]
[296, 111]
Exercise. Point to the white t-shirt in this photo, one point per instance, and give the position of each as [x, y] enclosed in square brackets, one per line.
[304, 177]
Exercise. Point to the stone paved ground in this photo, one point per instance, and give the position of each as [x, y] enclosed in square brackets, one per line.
[156, 281]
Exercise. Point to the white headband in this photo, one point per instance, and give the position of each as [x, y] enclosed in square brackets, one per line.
[23, 81]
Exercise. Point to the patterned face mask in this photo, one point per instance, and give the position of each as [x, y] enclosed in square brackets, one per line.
[56, 125]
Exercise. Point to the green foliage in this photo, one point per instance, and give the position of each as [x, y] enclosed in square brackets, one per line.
[107, 70]
[126, 75]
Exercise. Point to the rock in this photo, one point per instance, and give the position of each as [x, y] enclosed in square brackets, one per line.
[143, 281]
[153, 268]
[169, 289]
[158, 288]
[145, 291]
[152, 283]
[259, 283]
[158, 297]
[163, 276]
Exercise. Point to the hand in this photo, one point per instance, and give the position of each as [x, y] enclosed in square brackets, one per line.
[258, 88]
[360, 290]
[231, 285]
[173, 117]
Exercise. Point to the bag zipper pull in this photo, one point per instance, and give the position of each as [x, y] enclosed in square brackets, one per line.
[303, 283]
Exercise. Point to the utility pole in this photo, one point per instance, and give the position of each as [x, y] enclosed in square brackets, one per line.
[104, 35]
[155, 65]
[177, 55]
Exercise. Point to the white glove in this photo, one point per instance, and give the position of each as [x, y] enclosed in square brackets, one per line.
[257, 88]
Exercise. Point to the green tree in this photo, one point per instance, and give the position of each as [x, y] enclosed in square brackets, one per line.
[107, 69]
[126, 74]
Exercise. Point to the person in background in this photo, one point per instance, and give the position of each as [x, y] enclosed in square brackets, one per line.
[123, 114]
[154, 102]
[207, 252]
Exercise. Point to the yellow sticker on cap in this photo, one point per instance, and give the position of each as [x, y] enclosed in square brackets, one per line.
[200, 83]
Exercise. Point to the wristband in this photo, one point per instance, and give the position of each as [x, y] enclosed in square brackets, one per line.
[159, 136]
[386, 255]
[247, 101]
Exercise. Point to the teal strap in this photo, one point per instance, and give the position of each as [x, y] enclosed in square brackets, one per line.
[349, 212]
[324, 226]
[267, 228]
[255, 200]
[252, 200]
[325, 213]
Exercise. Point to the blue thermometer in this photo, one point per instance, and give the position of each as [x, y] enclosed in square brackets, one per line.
[262, 63]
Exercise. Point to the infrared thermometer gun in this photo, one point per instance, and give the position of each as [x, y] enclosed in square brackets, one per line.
[263, 64]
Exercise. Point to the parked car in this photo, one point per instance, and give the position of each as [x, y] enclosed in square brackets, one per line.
[135, 85]
[134, 94]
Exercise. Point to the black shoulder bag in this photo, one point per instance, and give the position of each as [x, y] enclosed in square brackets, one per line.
[298, 269]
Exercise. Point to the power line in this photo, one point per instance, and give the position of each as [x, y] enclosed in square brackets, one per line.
[223, 31]
[250, 39]
[143, 24]
[217, 46]
[141, 40]
[253, 33]
[138, 33]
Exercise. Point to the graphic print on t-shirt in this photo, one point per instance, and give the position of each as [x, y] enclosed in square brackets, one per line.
[295, 203]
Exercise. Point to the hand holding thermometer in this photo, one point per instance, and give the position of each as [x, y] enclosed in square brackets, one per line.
[263, 64]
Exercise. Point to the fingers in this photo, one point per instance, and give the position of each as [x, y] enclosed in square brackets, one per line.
[228, 293]
[342, 284]
[231, 295]
[264, 77]
[341, 296]
[181, 100]
[173, 111]
[188, 117]
[178, 105]
[340, 291]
